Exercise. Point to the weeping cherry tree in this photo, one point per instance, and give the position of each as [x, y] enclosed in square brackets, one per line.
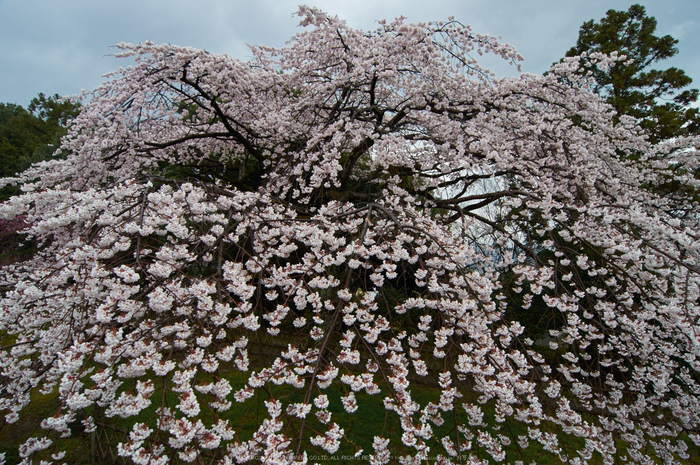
[240, 260]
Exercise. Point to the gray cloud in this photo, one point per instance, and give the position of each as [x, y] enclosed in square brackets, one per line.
[62, 46]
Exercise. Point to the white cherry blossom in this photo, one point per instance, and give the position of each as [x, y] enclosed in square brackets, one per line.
[359, 212]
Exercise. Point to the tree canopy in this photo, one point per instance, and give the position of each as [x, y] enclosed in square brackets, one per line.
[33, 134]
[659, 98]
[241, 258]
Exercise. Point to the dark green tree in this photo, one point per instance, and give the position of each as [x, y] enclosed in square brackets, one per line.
[31, 135]
[660, 99]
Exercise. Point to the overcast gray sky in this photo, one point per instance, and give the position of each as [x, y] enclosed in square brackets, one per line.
[62, 46]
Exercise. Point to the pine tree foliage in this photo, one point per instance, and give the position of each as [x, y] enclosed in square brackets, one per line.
[660, 99]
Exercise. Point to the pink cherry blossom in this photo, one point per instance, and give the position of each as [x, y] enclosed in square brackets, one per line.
[359, 212]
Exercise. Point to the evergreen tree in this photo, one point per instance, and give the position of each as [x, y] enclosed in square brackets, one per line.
[660, 99]
[31, 135]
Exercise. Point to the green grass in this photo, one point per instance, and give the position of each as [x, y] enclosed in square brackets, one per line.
[370, 420]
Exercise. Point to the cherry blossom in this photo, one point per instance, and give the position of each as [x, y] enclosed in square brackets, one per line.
[360, 214]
